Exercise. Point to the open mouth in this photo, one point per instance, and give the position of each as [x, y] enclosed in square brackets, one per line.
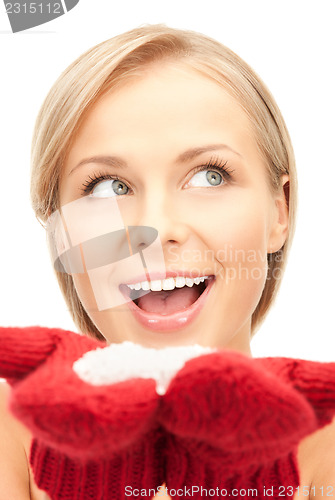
[168, 296]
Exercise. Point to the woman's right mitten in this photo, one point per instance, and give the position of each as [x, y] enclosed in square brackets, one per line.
[89, 441]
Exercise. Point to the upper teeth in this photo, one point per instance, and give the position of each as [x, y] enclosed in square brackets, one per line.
[167, 284]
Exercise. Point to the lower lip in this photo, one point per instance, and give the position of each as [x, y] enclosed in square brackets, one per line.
[170, 322]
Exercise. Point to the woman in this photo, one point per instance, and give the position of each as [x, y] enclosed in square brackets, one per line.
[171, 133]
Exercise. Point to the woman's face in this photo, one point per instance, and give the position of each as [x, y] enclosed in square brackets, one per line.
[178, 154]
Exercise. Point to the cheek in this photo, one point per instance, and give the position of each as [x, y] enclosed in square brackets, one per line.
[101, 319]
[242, 241]
[235, 228]
[241, 256]
[237, 238]
[85, 293]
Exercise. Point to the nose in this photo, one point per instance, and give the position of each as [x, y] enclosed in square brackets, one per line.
[161, 215]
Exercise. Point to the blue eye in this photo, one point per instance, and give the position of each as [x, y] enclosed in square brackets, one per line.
[109, 188]
[206, 177]
[214, 173]
[103, 186]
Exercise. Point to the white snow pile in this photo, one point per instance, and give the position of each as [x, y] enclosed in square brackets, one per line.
[120, 362]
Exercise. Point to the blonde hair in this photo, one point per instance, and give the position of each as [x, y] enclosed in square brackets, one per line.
[112, 63]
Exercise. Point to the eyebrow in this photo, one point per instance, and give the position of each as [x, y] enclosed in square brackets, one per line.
[110, 161]
[190, 154]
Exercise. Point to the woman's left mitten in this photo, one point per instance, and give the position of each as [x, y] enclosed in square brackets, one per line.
[233, 424]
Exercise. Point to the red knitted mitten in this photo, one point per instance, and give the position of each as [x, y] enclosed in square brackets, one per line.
[226, 422]
[90, 442]
[235, 423]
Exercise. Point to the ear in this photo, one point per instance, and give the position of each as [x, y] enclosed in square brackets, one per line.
[279, 229]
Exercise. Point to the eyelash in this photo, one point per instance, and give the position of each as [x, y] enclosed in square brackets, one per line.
[213, 164]
[218, 166]
[94, 179]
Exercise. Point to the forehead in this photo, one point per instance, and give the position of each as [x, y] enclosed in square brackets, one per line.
[170, 107]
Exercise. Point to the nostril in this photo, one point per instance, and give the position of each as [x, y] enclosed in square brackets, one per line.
[141, 237]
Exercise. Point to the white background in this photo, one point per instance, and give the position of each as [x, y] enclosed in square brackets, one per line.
[290, 43]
